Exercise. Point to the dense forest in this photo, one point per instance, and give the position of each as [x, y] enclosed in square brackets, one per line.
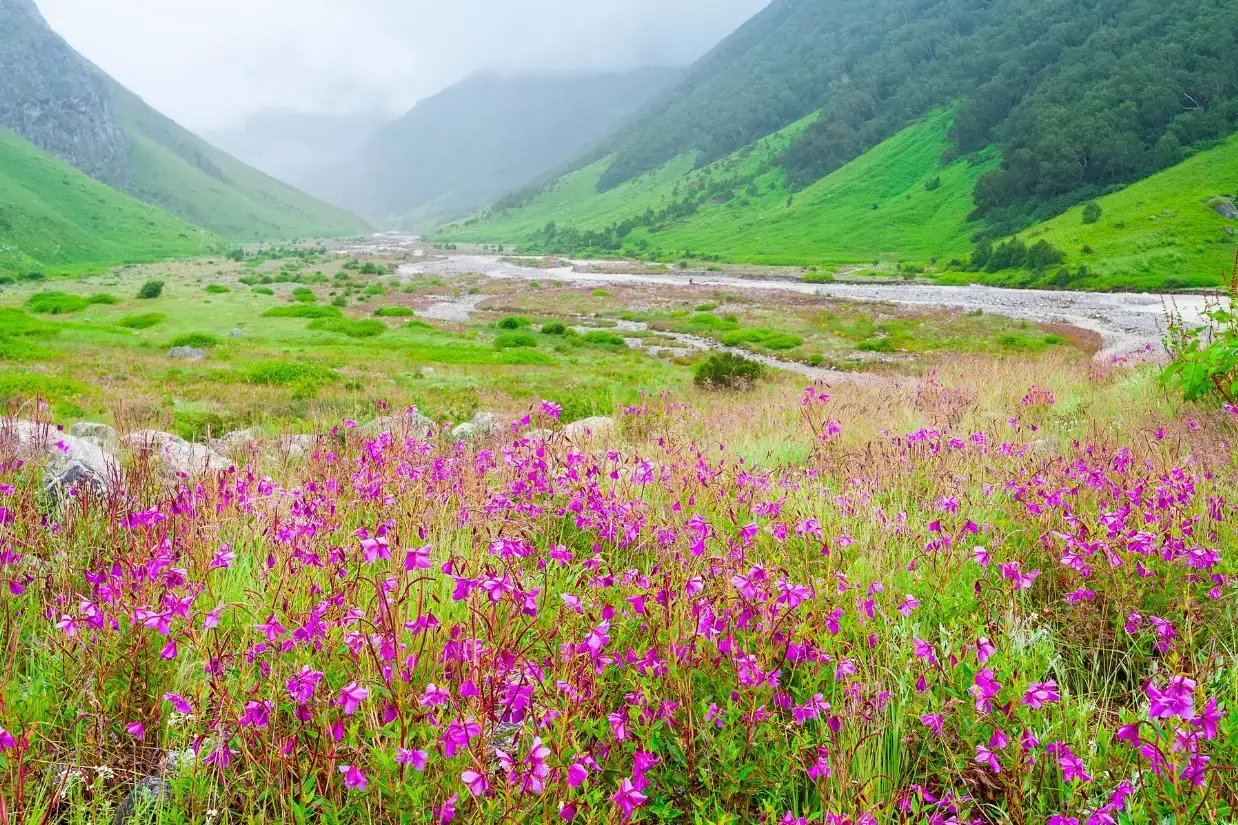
[1079, 95]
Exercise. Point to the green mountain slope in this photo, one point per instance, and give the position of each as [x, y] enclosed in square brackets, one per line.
[1079, 96]
[54, 217]
[893, 203]
[62, 103]
[1165, 230]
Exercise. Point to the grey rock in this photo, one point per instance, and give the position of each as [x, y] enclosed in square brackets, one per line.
[296, 446]
[482, 425]
[597, 426]
[179, 457]
[415, 425]
[1226, 209]
[149, 793]
[102, 433]
[71, 462]
[186, 354]
[1048, 446]
[237, 440]
[236, 333]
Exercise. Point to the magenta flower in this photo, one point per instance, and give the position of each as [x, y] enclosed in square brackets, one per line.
[909, 604]
[1177, 700]
[351, 697]
[301, 686]
[417, 759]
[178, 704]
[6, 740]
[932, 721]
[354, 779]
[257, 714]
[418, 559]
[628, 798]
[476, 783]
[1040, 694]
[447, 812]
[984, 756]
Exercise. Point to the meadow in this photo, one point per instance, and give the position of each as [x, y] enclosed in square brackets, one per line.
[982, 585]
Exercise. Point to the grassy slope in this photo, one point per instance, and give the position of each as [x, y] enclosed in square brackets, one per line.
[183, 175]
[833, 220]
[51, 215]
[1159, 228]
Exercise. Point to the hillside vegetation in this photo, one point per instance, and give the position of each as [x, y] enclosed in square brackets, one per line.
[62, 103]
[53, 216]
[897, 201]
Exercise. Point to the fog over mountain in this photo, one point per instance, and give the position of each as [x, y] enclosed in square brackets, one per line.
[210, 64]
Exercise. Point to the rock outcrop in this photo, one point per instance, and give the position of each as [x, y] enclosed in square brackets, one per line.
[70, 462]
[180, 458]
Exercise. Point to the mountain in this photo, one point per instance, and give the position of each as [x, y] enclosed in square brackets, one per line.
[62, 103]
[1052, 102]
[54, 217]
[300, 148]
[481, 138]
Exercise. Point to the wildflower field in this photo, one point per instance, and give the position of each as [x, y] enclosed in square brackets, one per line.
[1000, 594]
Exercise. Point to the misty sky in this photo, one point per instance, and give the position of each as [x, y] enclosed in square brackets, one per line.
[208, 63]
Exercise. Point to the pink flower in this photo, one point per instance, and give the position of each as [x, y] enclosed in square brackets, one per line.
[354, 779]
[475, 782]
[136, 729]
[909, 604]
[418, 559]
[932, 721]
[301, 686]
[6, 740]
[1040, 694]
[351, 697]
[984, 756]
[628, 798]
[417, 759]
[1178, 699]
[178, 704]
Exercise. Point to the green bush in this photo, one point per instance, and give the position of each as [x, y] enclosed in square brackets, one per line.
[554, 328]
[304, 295]
[340, 301]
[394, 312]
[876, 345]
[150, 290]
[818, 278]
[1092, 212]
[375, 290]
[283, 373]
[768, 338]
[515, 340]
[262, 290]
[302, 312]
[600, 293]
[726, 371]
[353, 329]
[513, 323]
[103, 298]
[603, 338]
[197, 340]
[371, 268]
[146, 321]
[56, 303]
[216, 289]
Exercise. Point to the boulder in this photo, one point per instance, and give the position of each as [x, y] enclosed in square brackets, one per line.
[237, 440]
[186, 354]
[70, 462]
[179, 457]
[236, 333]
[482, 425]
[1226, 209]
[296, 446]
[90, 429]
[147, 795]
[598, 426]
[414, 424]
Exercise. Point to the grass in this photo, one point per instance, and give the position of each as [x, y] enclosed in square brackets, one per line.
[196, 340]
[56, 303]
[54, 219]
[143, 321]
[1158, 233]
[834, 220]
[303, 312]
[353, 329]
[394, 312]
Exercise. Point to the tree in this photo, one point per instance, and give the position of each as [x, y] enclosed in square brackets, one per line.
[150, 290]
[1091, 212]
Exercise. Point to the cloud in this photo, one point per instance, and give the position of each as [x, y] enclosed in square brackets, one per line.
[209, 63]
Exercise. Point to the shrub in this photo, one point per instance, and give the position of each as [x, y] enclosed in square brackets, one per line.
[371, 268]
[304, 295]
[302, 312]
[875, 345]
[818, 278]
[600, 293]
[513, 323]
[768, 338]
[103, 298]
[554, 328]
[515, 340]
[353, 329]
[56, 303]
[374, 291]
[216, 289]
[1043, 255]
[197, 340]
[933, 184]
[339, 301]
[146, 321]
[150, 290]
[1092, 212]
[394, 312]
[283, 373]
[601, 337]
[262, 290]
[727, 371]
